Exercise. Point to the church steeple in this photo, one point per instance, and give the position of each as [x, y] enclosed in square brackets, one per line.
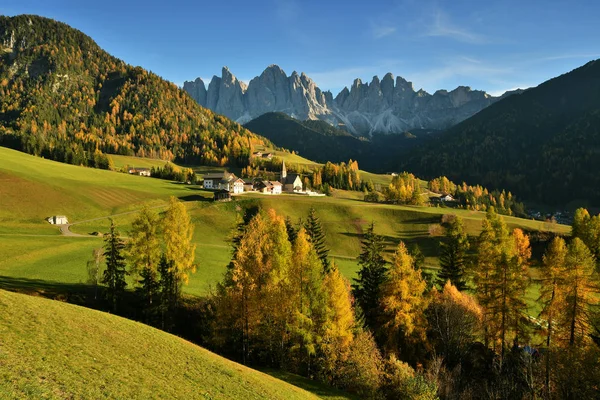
[283, 172]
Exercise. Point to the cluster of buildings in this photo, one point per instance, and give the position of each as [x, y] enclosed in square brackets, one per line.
[226, 183]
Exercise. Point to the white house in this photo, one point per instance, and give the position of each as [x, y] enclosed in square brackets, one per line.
[447, 198]
[140, 171]
[58, 220]
[221, 180]
[276, 187]
[238, 186]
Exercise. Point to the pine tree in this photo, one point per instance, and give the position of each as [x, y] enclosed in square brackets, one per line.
[403, 303]
[371, 275]
[453, 255]
[114, 275]
[317, 237]
[292, 231]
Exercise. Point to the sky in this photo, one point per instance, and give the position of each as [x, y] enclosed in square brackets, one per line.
[488, 45]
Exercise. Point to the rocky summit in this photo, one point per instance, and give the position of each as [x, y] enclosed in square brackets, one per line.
[383, 106]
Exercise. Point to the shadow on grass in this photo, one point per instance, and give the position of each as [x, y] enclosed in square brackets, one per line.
[428, 245]
[317, 388]
[75, 293]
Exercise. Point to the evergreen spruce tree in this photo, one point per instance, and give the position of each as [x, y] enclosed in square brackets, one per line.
[371, 275]
[453, 255]
[114, 275]
[317, 237]
[291, 229]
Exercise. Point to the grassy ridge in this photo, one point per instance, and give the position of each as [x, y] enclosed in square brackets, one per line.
[55, 350]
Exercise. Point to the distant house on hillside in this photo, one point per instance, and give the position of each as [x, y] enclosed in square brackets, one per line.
[257, 154]
[140, 171]
[268, 156]
[58, 220]
[446, 198]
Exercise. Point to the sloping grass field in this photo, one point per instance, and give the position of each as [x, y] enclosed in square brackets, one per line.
[54, 350]
[32, 189]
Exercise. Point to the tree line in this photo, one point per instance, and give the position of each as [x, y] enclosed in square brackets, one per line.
[396, 331]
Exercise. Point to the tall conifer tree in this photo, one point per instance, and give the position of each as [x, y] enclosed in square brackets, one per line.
[371, 275]
[114, 274]
[453, 255]
[317, 237]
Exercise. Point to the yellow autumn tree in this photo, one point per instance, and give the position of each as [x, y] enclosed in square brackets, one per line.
[339, 324]
[403, 303]
[454, 320]
[178, 231]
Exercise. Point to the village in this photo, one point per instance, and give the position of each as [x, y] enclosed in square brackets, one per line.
[225, 184]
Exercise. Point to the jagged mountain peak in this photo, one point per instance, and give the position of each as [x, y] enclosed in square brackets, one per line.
[389, 105]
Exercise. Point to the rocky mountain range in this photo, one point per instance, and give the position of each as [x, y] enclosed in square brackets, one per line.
[383, 106]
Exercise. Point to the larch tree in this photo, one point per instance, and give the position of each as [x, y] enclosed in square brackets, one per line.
[306, 279]
[115, 272]
[143, 252]
[580, 293]
[454, 320]
[453, 255]
[501, 276]
[178, 231]
[551, 296]
[339, 325]
[94, 269]
[403, 302]
[371, 275]
[317, 237]
[491, 242]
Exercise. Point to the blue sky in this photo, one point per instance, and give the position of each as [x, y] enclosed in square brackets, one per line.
[435, 44]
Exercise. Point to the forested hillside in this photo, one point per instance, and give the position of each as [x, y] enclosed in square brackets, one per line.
[63, 97]
[543, 143]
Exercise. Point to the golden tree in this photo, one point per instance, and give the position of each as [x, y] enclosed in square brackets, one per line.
[403, 302]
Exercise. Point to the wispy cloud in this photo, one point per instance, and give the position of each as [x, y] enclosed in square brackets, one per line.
[379, 31]
[459, 67]
[588, 56]
[442, 26]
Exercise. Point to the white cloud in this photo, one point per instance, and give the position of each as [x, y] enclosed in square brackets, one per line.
[442, 26]
[382, 31]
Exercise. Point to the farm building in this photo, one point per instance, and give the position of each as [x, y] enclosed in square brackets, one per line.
[222, 195]
[58, 220]
[140, 171]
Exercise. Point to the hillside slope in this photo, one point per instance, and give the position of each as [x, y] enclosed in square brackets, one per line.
[63, 97]
[543, 144]
[319, 141]
[56, 350]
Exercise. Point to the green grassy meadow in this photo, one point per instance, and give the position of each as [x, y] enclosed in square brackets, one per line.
[33, 188]
[53, 350]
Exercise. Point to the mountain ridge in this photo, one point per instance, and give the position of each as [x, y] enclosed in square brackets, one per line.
[389, 105]
[543, 143]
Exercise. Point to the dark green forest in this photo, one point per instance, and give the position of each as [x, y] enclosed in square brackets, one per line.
[542, 144]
